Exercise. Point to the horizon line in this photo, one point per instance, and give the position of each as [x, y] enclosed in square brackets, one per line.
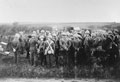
[51, 22]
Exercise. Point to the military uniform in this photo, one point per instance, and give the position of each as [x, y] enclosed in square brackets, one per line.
[33, 51]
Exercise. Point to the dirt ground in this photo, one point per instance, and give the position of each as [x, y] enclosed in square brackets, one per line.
[55, 80]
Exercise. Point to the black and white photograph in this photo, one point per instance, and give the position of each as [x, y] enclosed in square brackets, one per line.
[59, 40]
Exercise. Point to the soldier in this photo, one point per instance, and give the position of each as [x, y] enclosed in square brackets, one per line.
[33, 50]
[49, 50]
[41, 50]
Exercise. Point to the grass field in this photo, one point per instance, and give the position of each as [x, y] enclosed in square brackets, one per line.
[56, 80]
[8, 69]
[23, 72]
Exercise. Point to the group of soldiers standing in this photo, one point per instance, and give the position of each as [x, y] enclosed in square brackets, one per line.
[68, 48]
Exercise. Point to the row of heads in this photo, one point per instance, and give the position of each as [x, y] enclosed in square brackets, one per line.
[67, 33]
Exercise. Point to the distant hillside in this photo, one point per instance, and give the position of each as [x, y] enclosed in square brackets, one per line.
[73, 24]
[10, 29]
[79, 24]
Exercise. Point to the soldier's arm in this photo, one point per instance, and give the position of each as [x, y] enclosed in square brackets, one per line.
[69, 43]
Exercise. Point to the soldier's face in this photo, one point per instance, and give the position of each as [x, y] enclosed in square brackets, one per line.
[42, 39]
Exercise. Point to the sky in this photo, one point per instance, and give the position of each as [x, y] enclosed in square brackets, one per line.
[59, 11]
